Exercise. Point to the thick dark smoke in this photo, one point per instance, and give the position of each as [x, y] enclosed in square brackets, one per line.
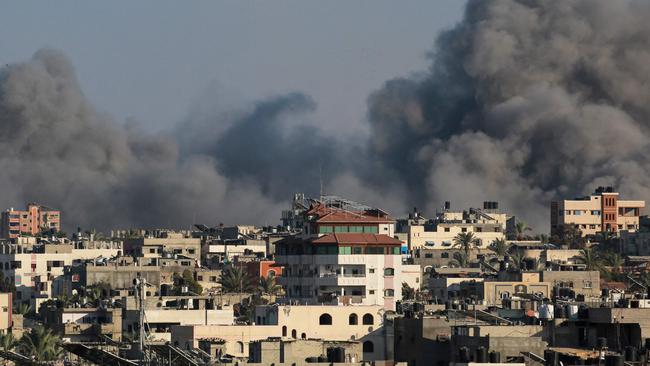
[524, 101]
[56, 149]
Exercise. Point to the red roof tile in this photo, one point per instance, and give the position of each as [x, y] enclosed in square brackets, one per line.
[357, 238]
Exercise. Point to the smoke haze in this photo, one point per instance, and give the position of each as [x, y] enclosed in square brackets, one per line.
[524, 102]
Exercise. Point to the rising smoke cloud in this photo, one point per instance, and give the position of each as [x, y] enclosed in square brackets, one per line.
[524, 101]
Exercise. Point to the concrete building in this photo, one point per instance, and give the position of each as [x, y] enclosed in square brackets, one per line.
[573, 283]
[492, 293]
[164, 244]
[602, 211]
[6, 307]
[38, 268]
[35, 219]
[487, 225]
[282, 351]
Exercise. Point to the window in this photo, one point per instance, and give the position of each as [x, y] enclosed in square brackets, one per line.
[325, 229]
[357, 250]
[389, 272]
[479, 229]
[190, 251]
[240, 347]
[577, 212]
[303, 336]
[428, 255]
[345, 250]
[595, 212]
[353, 319]
[463, 229]
[152, 250]
[340, 229]
[355, 229]
[368, 319]
[325, 319]
[447, 229]
[371, 292]
[368, 347]
[586, 284]
[371, 270]
[284, 330]
[370, 229]
[389, 293]
[294, 334]
[444, 255]
[375, 250]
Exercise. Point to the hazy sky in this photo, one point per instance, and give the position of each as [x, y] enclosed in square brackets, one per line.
[151, 59]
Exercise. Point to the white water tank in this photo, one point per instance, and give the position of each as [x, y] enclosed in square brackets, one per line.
[572, 311]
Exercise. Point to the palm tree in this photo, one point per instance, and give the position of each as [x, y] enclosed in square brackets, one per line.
[268, 286]
[466, 242]
[41, 344]
[590, 259]
[517, 260]
[520, 229]
[460, 259]
[236, 280]
[8, 343]
[23, 309]
[499, 247]
[543, 238]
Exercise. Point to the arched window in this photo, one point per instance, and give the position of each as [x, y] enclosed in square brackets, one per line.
[284, 330]
[325, 319]
[240, 347]
[368, 347]
[294, 334]
[368, 319]
[427, 269]
[354, 319]
[389, 292]
[389, 272]
[303, 336]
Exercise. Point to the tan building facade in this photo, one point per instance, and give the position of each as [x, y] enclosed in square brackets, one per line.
[602, 211]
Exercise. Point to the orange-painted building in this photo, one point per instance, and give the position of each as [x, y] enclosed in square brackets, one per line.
[263, 269]
[32, 221]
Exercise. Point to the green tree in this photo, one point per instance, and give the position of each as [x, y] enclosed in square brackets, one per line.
[499, 247]
[186, 279]
[7, 285]
[570, 236]
[8, 343]
[408, 292]
[459, 259]
[520, 230]
[236, 280]
[466, 242]
[268, 286]
[517, 260]
[41, 344]
[590, 258]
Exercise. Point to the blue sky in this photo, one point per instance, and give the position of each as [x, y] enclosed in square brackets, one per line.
[151, 60]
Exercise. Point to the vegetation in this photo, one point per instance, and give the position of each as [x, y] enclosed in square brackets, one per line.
[569, 236]
[268, 286]
[8, 343]
[41, 344]
[466, 242]
[521, 228]
[7, 285]
[236, 280]
[591, 259]
[186, 279]
[459, 259]
[408, 292]
[499, 247]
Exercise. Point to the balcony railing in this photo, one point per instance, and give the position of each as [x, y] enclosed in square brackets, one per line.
[339, 275]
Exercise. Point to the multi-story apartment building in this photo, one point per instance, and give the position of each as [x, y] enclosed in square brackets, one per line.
[32, 221]
[487, 225]
[345, 257]
[38, 268]
[602, 211]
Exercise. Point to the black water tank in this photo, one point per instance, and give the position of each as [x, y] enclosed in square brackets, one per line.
[647, 343]
[614, 360]
[495, 357]
[551, 358]
[336, 354]
[447, 205]
[560, 312]
[463, 355]
[601, 342]
[481, 354]
[630, 354]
